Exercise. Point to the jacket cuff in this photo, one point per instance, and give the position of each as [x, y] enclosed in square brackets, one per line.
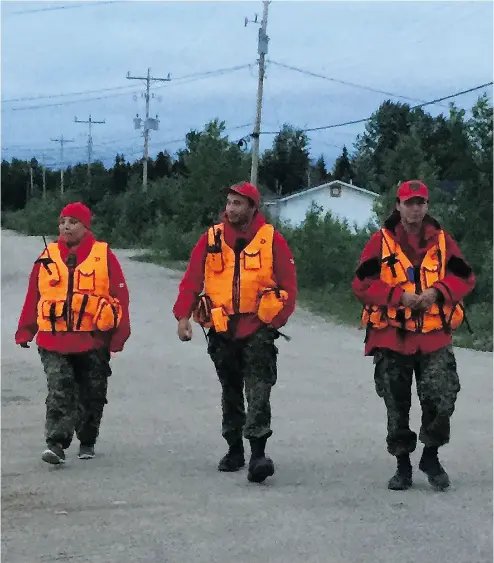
[23, 335]
[443, 292]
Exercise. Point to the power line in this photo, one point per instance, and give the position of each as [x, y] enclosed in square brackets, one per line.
[354, 122]
[66, 7]
[114, 143]
[182, 80]
[186, 77]
[344, 82]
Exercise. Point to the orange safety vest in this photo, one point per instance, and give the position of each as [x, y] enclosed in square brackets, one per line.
[239, 282]
[397, 270]
[76, 299]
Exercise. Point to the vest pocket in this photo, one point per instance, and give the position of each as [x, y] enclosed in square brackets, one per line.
[86, 281]
[220, 319]
[53, 309]
[271, 302]
[95, 313]
[252, 261]
[108, 315]
[404, 313]
[215, 261]
[430, 270]
[56, 313]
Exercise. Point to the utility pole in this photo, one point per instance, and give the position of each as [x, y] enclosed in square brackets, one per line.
[62, 142]
[262, 49]
[149, 123]
[90, 122]
[31, 179]
[43, 174]
[44, 181]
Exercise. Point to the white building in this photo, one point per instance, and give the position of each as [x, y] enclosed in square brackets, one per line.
[344, 201]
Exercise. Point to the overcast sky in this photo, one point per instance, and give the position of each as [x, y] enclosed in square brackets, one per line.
[420, 50]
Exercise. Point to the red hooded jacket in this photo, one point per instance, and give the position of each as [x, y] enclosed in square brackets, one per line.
[458, 282]
[283, 268]
[76, 342]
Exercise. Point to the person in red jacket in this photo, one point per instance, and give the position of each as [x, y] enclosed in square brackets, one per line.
[247, 272]
[412, 279]
[77, 304]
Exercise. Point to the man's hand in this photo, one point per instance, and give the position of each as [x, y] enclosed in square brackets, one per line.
[184, 329]
[428, 298]
[411, 300]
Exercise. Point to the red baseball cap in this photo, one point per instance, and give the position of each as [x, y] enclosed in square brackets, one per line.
[247, 190]
[413, 188]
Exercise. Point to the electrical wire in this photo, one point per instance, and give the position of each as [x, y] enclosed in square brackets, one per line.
[344, 82]
[115, 143]
[66, 7]
[355, 121]
[175, 82]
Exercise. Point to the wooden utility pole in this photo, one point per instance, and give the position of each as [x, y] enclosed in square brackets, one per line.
[148, 79]
[262, 49]
[62, 142]
[90, 122]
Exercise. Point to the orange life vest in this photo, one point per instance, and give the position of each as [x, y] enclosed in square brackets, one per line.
[240, 282]
[76, 299]
[397, 270]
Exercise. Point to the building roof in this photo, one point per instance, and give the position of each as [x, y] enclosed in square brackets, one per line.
[321, 187]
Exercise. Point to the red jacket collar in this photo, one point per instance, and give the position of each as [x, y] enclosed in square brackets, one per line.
[430, 231]
[81, 251]
[231, 234]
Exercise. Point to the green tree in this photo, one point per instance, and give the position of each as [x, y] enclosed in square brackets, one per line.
[343, 169]
[320, 174]
[283, 168]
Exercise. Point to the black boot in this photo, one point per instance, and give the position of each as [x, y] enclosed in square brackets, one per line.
[260, 466]
[234, 460]
[429, 464]
[54, 454]
[402, 479]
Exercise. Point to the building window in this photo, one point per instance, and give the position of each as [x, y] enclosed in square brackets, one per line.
[335, 191]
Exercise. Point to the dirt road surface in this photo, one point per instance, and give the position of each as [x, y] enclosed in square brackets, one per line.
[153, 494]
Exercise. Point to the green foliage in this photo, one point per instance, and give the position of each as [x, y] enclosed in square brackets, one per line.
[343, 168]
[325, 250]
[283, 168]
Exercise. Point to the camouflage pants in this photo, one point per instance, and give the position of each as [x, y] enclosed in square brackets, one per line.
[77, 386]
[250, 362]
[437, 387]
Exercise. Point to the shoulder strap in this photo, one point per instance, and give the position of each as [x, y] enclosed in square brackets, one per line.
[215, 234]
[442, 253]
